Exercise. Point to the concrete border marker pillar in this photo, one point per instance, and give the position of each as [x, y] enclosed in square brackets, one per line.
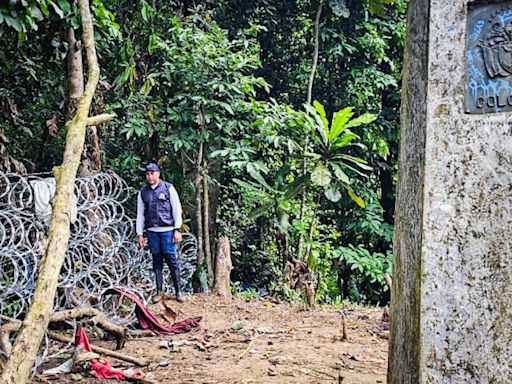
[451, 310]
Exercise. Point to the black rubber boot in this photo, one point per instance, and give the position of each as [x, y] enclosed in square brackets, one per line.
[159, 282]
[176, 280]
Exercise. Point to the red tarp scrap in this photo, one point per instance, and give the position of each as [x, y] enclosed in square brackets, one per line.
[99, 368]
[148, 321]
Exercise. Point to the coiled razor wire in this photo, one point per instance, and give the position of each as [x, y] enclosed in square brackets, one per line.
[101, 252]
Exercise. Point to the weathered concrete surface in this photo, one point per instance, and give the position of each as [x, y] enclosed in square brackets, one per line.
[452, 301]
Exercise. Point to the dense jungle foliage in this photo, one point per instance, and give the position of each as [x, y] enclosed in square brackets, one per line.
[216, 92]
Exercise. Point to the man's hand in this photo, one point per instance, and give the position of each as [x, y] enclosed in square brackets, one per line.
[177, 237]
[141, 241]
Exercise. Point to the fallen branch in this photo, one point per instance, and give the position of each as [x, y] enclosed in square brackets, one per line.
[100, 119]
[97, 319]
[107, 352]
[256, 334]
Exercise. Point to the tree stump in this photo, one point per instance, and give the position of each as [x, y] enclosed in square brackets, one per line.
[223, 268]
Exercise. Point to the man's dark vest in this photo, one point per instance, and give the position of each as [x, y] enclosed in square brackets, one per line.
[157, 205]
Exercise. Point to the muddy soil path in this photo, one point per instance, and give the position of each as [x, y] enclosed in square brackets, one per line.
[262, 341]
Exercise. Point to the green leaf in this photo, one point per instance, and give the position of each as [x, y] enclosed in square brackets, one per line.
[356, 199]
[247, 185]
[339, 120]
[382, 148]
[44, 7]
[321, 176]
[344, 140]
[36, 13]
[340, 175]
[356, 160]
[258, 212]
[257, 176]
[333, 194]
[14, 23]
[153, 43]
[56, 8]
[363, 119]
[145, 12]
[317, 123]
[321, 111]
[64, 5]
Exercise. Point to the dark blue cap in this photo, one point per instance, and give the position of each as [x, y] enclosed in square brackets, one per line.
[152, 167]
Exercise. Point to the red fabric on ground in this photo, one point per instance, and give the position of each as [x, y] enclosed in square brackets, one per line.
[101, 369]
[148, 321]
[81, 340]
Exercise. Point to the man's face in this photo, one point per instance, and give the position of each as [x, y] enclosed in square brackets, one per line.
[152, 177]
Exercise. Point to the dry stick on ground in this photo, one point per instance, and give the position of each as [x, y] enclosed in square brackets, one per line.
[256, 334]
[106, 352]
[14, 325]
[18, 368]
[97, 318]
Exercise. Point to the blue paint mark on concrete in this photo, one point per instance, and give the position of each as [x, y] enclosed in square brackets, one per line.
[477, 30]
[505, 16]
[479, 85]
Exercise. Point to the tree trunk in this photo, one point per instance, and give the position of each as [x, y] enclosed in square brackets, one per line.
[75, 72]
[309, 98]
[315, 52]
[199, 189]
[223, 267]
[18, 367]
[206, 222]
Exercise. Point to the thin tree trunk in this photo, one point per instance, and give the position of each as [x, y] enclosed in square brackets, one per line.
[18, 368]
[206, 222]
[75, 72]
[199, 189]
[309, 97]
[315, 52]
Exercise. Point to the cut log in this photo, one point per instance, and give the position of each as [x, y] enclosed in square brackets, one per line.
[223, 267]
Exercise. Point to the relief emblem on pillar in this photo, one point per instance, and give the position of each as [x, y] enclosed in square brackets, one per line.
[489, 58]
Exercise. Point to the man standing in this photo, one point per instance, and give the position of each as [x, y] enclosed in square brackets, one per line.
[159, 214]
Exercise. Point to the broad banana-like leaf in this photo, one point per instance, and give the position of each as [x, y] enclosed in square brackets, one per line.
[356, 160]
[257, 176]
[260, 211]
[340, 175]
[318, 123]
[363, 119]
[321, 111]
[339, 122]
[344, 140]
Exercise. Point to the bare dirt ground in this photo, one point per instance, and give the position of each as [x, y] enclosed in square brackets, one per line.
[260, 341]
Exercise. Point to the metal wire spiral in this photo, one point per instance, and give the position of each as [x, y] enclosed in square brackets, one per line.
[101, 251]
